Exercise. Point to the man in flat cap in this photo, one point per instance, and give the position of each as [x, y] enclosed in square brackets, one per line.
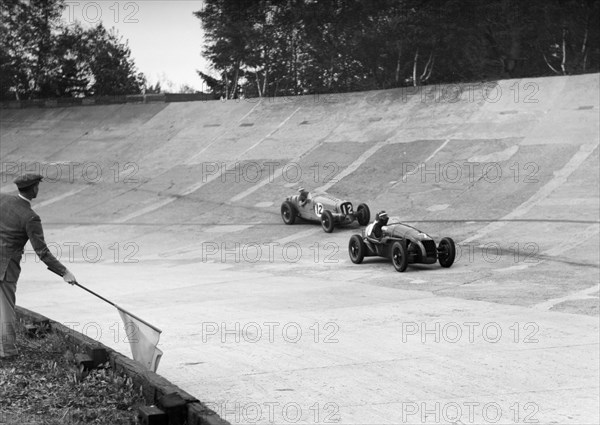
[18, 224]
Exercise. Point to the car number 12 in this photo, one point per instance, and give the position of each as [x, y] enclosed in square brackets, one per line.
[318, 209]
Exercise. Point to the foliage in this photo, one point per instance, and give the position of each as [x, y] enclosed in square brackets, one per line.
[40, 56]
[273, 48]
[44, 386]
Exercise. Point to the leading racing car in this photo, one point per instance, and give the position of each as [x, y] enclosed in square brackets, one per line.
[324, 208]
[404, 245]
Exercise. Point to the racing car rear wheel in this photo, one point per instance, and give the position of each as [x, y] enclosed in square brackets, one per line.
[363, 214]
[288, 213]
[446, 252]
[399, 258]
[327, 221]
[356, 249]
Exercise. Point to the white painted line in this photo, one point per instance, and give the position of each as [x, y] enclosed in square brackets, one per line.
[352, 167]
[575, 240]
[149, 208]
[579, 295]
[442, 146]
[192, 160]
[560, 177]
[276, 174]
[167, 201]
[281, 124]
[422, 164]
[196, 186]
[59, 198]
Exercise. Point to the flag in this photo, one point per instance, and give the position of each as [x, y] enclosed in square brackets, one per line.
[143, 339]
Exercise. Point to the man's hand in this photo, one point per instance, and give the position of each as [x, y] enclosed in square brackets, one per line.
[69, 277]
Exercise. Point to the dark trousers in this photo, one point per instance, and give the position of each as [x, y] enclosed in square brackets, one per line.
[8, 318]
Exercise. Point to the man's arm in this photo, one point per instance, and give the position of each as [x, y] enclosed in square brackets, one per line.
[36, 237]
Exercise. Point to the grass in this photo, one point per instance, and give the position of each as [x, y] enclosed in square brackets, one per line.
[44, 385]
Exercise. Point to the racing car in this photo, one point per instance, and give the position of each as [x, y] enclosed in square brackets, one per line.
[404, 245]
[324, 208]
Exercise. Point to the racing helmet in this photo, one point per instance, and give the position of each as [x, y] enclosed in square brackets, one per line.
[303, 193]
[382, 218]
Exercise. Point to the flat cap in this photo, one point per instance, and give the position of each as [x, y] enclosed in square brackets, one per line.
[27, 180]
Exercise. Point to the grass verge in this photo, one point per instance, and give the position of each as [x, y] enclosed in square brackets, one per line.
[45, 385]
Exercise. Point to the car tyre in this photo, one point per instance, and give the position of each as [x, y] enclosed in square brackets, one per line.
[327, 221]
[288, 212]
[446, 252]
[363, 214]
[399, 258]
[356, 249]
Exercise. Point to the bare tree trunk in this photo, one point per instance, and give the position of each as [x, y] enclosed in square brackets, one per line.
[226, 86]
[430, 69]
[425, 76]
[295, 62]
[549, 65]
[258, 84]
[264, 90]
[415, 62]
[42, 51]
[564, 51]
[511, 9]
[397, 75]
[235, 79]
[584, 46]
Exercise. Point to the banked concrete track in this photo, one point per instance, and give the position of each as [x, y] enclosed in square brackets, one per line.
[172, 211]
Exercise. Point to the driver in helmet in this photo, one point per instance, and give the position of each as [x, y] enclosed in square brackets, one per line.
[303, 197]
[375, 229]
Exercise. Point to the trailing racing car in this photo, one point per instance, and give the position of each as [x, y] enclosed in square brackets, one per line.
[324, 208]
[404, 245]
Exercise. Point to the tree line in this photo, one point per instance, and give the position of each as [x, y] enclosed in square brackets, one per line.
[42, 57]
[292, 47]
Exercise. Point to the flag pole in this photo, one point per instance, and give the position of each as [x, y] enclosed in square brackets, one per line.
[109, 302]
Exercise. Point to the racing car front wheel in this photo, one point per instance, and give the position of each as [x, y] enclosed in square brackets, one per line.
[287, 213]
[363, 214]
[327, 221]
[446, 252]
[356, 249]
[399, 258]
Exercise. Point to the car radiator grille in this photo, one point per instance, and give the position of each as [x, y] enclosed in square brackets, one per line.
[430, 248]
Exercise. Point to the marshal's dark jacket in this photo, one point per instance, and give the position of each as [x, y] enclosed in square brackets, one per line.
[18, 224]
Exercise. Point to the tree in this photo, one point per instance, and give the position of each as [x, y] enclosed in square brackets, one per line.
[40, 56]
[27, 44]
[110, 63]
[275, 48]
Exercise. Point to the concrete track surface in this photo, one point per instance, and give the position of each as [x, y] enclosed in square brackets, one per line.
[172, 212]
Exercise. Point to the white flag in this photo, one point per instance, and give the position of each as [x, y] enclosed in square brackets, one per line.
[143, 340]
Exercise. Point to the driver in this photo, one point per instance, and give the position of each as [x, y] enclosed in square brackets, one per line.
[374, 230]
[303, 197]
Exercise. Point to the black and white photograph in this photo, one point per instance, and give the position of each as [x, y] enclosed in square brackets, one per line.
[346, 212]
